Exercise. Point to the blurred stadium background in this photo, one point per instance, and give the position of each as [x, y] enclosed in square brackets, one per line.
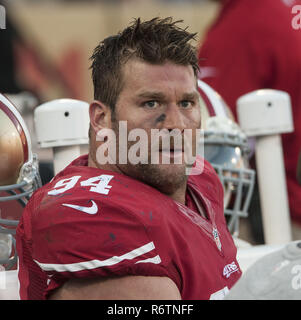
[60, 35]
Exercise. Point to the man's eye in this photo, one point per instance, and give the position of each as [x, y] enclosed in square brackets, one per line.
[150, 104]
[186, 103]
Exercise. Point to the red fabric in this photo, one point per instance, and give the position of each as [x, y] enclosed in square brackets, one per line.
[252, 45]
[130, 216]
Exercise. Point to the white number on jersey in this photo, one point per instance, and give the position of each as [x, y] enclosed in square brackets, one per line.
[100, 187]
[99, 184]
[66, 184]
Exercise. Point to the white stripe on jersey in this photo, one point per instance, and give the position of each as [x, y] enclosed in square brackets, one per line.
[93, 264]
[155, 260]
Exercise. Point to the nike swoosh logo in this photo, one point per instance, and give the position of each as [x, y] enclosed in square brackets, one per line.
[90, 210]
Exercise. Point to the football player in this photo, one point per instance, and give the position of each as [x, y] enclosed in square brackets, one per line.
[124, 230]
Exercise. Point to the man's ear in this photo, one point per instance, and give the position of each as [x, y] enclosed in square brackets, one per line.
[100, 116]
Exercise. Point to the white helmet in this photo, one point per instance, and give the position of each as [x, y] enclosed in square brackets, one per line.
[226, 148]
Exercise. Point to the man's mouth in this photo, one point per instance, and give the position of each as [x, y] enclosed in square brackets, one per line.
[172, 153]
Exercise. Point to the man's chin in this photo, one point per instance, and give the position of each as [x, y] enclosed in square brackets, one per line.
[171, 169]
[164, 177]
[167, 178]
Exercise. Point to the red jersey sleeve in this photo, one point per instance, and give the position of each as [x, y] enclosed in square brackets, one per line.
[66, 243]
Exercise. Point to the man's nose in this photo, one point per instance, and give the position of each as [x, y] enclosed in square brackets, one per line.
[173, 119]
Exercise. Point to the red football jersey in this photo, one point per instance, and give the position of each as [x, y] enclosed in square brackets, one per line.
[89, 222]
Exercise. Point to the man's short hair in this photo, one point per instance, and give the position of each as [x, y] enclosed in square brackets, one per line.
[155, 41]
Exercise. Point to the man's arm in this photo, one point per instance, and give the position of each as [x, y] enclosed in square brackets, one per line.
[118, 288]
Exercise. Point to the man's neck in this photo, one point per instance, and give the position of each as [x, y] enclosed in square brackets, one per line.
[179, 195]
[93, 164]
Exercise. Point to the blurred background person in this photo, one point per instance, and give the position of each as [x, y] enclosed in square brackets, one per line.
[252, 45]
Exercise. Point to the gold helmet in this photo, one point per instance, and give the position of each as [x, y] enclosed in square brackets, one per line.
[19, 176]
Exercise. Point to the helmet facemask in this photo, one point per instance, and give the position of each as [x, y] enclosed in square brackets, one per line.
[226, 148]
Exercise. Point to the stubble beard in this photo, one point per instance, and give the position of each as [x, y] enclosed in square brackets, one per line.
[167, 178]
[160, 176]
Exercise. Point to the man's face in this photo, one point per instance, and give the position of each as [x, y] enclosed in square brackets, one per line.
[158, 97]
